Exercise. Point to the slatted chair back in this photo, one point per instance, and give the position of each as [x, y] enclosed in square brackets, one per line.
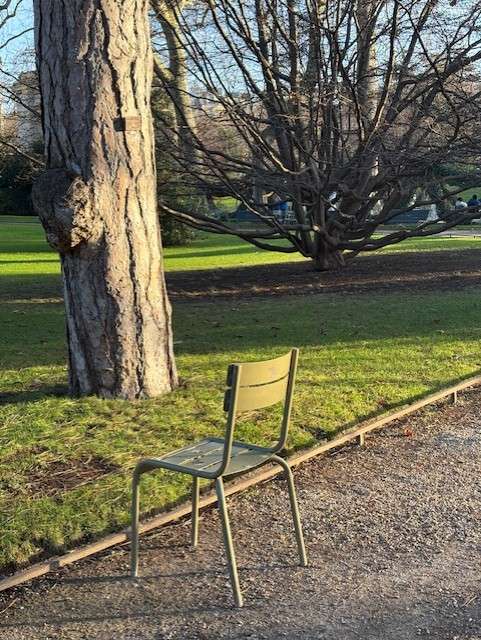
[257, 385]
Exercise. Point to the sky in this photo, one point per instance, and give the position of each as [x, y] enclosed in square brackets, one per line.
[17, 55]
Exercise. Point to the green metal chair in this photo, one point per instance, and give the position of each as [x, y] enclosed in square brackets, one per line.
[250, 386]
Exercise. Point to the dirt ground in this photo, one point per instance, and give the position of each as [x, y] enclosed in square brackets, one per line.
[423, 271]
[393, 532]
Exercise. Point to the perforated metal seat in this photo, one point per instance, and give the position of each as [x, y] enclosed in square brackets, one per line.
[205, 457]
[250, 386]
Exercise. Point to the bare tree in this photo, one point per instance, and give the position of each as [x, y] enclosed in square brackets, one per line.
[97, 200]
[171, 68]
[348, 110]
[15, 30]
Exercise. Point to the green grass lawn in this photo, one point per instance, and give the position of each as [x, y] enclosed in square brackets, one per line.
[359, 356]
[209, 251]
[467, 195]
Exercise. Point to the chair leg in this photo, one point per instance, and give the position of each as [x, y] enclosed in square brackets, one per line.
[295, 510]
[134, 531]
[234, 578]
[195, 511]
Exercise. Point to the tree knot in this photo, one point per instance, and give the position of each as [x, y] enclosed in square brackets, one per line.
[63, 202]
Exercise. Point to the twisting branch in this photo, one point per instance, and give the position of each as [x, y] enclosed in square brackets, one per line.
[346, 112]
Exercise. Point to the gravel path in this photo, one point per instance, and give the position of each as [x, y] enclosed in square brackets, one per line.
[393, 533]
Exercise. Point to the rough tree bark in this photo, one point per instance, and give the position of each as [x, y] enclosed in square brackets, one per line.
[97, 200]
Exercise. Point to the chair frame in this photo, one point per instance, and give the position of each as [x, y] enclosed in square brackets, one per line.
[237, 374]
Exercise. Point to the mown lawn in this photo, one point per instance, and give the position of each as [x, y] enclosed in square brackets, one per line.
[209, 251]
[360, 356]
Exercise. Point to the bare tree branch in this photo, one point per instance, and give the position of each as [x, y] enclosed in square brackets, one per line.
[349, 111]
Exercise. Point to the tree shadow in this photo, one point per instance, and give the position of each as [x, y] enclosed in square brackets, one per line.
[33, 395]
[27, 262]
[388, 273]
[30, 285]
[222, 251]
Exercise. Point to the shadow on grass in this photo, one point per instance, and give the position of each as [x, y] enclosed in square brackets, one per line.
[34, 395]
[224, 251]
[27, 262]
[25, 246]
[19, 219]
[30, 285]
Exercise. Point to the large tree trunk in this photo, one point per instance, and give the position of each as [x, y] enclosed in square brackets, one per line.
[97, 201]
[326, 257]
[367, 71]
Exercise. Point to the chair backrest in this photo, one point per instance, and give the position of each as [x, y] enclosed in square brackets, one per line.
[256, 385]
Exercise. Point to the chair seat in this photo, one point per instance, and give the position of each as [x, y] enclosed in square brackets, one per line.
[205, 457]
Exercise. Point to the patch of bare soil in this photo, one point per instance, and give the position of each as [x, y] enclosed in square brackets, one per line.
[393, 533]
[64, 475]
[417, 272]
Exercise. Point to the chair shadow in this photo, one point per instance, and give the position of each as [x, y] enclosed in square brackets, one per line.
[115, 617]
[133, 615]
[86, 580]
[113, 579]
